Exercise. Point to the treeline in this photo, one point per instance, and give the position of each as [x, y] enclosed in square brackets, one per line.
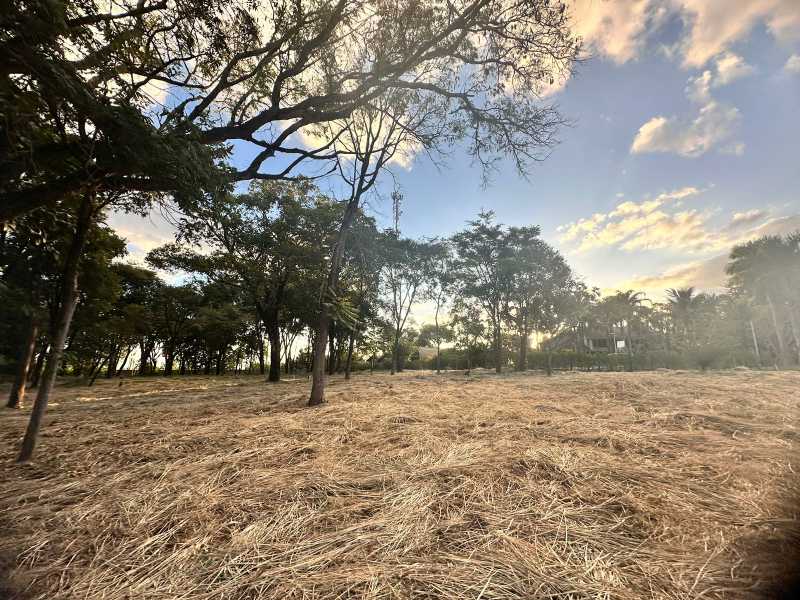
[252, 269]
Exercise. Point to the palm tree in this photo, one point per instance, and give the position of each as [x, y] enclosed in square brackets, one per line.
[682, 303]
[627, 308]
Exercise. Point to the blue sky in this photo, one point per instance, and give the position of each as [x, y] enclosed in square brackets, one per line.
[685, 140]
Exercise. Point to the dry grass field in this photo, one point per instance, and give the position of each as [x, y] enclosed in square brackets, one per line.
[605, 486]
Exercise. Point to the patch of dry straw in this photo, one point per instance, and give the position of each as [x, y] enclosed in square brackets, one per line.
[601, 486]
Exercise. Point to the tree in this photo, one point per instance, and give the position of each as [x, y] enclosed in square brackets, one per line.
[481, 252]
[439, 280]
[262, 243]
[536, 273]
[468, 327]
[768, 270]
[682, 304]
[147, 97]
[88, 214]
[405, 270]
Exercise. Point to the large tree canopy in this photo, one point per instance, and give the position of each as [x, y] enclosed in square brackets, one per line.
[148, 95]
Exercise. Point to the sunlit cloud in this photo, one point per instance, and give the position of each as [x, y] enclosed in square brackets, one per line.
[709, 274]
[635, 225]
[712, 26]
[793, 64]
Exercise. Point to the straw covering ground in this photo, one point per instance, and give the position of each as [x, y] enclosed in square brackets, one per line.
[586, 485]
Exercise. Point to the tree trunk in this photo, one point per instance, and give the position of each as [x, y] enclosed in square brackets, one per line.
[778, 335]
[262, 367]
[113, 359]
[349, 364]
[36, 376]
[69, 299]
[97, 371]
[498, 351]
[121, 370]
[755, 342]
[549, 362]
[169, 362]
[395, 353]
[438, 357]
[332, 283]
[331, 347]
[793, 325]
[17, 395]
[274, 334]
[144, 352]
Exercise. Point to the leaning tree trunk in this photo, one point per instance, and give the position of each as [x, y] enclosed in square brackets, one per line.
[69, 299]
[17, 394]
[331, 284]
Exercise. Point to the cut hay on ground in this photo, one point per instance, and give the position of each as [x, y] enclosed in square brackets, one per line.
[617, 486]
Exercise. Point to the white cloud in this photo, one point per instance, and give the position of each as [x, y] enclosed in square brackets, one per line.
[748, 217]
[731, 67]
[714, 125]
[663, 223]
[618, 29]
[793, 64]
[713, 25]
[615, 30]
[636, 225]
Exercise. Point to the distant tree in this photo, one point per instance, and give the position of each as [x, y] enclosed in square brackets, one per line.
[481, 253]
[768, 270]
[439, 288]
[468, 327]
[406, 265]
[262, 243]
[536, 273]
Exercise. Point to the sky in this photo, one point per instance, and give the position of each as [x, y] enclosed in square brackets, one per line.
[684, 140]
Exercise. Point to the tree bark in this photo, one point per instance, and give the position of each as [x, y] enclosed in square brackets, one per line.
[17, 395]
[69, 299]
[332, 283]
